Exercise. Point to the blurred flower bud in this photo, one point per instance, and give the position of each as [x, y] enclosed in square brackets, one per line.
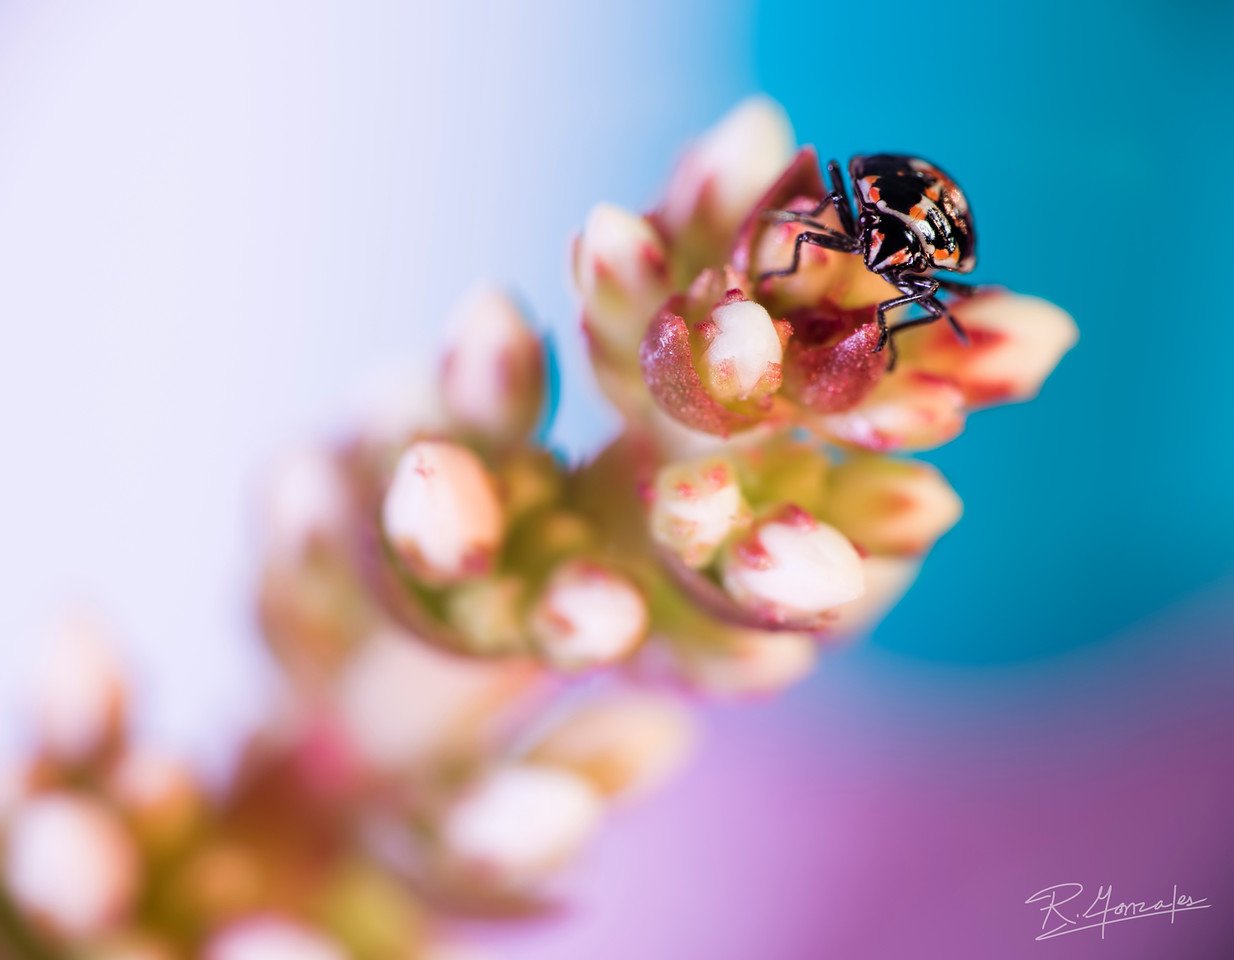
[819, 271]
[127, 947]
[70, 865]
[909, 410]
[400, 701]
[742, 358]
[81, 695]
[587, 615]
[1014, 344]
[790, 567]
[747, 663]
[621, 275]
[492, 378]
[696, 506]
[306, 503]
[624, 745]
[887, 580]
[725, 172]
[489, 615]
[159, 797]
[371, 914]
[890, 506]
[441, 512]
[513, 828]
[271, 938]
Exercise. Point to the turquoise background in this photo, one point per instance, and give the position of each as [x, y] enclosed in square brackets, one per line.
[1094, 141]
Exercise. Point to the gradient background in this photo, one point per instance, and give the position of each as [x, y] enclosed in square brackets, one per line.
[218, 218]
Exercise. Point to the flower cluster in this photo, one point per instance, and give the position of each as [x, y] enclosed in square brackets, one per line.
[480, 640]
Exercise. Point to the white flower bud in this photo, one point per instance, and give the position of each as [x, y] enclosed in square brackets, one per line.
[493, 376]
[306, 501]
[792, 567]
[271, 938]
[890, 506]
[587, 615]
[887, 580]
[81, 696]
[517, 825]
[626, 744]
[751, 663]
[908, 410]
[70, 864]
[696, 506]
[441, 512]
[743, 357]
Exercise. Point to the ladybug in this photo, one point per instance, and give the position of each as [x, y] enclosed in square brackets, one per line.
[912, 221]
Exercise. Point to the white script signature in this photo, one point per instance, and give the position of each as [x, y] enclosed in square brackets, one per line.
[1101, 913]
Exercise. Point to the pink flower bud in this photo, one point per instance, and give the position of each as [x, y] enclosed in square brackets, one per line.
[81, 696]
[1014, 344]
[517, 825]
[621, 274]
[306, 503]
[588, 615]
[790, 567]
[271, 938]
[70, 864]
[625, 744]
[743, 352]
[493, 376]
[696, 506]
[441, 512]
[724, 173]
[890, 506]
[830, 364]
[908, 410]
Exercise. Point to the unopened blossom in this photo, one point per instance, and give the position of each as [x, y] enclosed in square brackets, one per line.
[696, 505]
[625, 744]
[492, 377]
[890, 506]
[271, 938]
[887, 578]
[587, 615]
[739, 662]
[792, 568]
[621, 274]
[517, 825]
[306, 503]
[70, 864]
[743, 355]
[911, 410]
[80, 699]
[441, 512]
[488, 614]
[159, 796]
[1014, 342]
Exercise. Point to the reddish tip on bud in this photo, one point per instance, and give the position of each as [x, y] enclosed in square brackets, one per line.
[891, 506]
[588, 615]
[792, 568]
[441, 512]
[493, 376]
[695, 506]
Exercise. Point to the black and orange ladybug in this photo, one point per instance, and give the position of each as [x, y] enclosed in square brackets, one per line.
[912, 220]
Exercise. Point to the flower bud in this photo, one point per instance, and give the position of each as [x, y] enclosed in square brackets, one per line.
[696, 506]
[587, 615]
[887, 580]
[890, 506]
[517, 825]
[625, 745]
[830, 365]
[908, 410]
[81, 696]
[725, 172]
[271, 938]
[790, 567]
[748, 663]
[160, 797]
[1014, 344]
[493, 376]
[621, 274]
[129, 948]
[820, 272]
[489, 615]
[306, 503]
[743, 353]
[441, 512]
[70, 865]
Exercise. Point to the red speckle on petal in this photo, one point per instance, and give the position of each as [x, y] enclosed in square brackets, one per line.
[794, 516]
[751, 553]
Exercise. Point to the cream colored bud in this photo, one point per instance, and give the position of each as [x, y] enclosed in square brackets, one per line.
[517, 825]
[1015, 342]
[621, 274]
[890, 506]
[493, 375]
[271, 938]
[733, 165]
[752, 663]
[887, 580]
[587, 615]
[908, 410]
[791, 567]
[69, 863]
[441, 512]
[624, 745]
[743, 356]
[489, 615]
[696, 506]
[80, 699]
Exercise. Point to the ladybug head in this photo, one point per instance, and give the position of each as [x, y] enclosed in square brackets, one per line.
[890, 244]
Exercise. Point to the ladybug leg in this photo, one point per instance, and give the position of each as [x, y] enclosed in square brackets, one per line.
[837, 200]
[828, 241]
[919, 290]
[957, 287]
